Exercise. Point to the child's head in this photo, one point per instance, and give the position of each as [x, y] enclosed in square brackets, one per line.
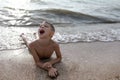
[46, 30]
[52, 27]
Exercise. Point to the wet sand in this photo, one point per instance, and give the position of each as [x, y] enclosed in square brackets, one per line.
[81, 61]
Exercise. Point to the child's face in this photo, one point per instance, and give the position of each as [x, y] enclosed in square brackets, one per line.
[45, 30]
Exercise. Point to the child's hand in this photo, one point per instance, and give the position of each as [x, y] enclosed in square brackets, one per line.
[52, 72]
[47, 65]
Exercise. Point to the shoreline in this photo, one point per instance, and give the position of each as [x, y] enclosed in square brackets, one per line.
[83, 33]
[85, 61]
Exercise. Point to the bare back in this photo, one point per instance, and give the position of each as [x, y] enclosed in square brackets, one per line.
[43, 51]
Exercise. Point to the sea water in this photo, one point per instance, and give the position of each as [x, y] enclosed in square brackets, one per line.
[74, 20]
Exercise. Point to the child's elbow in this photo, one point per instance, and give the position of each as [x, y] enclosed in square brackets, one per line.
[37, 64]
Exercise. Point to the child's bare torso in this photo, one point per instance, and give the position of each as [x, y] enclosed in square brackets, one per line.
[43, 51]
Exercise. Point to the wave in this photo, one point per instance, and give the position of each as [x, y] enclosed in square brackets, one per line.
[71, 14]
[78, 16]
[55, 16]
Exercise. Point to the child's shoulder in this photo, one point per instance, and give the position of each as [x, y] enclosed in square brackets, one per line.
[33, 43]
[55, 44]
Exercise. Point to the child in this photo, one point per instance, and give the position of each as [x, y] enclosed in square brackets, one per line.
[44, 47]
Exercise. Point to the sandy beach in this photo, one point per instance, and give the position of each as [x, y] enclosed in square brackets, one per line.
[88, 32]
[81, 61]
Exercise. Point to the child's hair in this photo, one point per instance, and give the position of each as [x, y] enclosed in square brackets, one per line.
[51, 25]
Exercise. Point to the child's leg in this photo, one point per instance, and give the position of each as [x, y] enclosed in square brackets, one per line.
[24, 39]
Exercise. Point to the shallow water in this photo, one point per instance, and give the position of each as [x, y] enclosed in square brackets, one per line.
[74, 20]
[10, 36]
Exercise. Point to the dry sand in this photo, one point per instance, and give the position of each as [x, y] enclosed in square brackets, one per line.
[81, 61]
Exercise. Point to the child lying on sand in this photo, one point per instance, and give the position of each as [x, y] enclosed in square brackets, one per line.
[44, 47]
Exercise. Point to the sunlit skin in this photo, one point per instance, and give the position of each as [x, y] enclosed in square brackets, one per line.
[43, 48]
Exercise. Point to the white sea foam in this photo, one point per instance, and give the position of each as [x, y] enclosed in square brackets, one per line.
[101, 35]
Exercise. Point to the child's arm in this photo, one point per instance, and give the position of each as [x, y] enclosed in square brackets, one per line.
[58, 55]
[36, 58]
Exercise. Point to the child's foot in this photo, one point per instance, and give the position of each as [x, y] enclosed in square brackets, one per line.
[35, 36]
[24, 39]
[22, 35]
